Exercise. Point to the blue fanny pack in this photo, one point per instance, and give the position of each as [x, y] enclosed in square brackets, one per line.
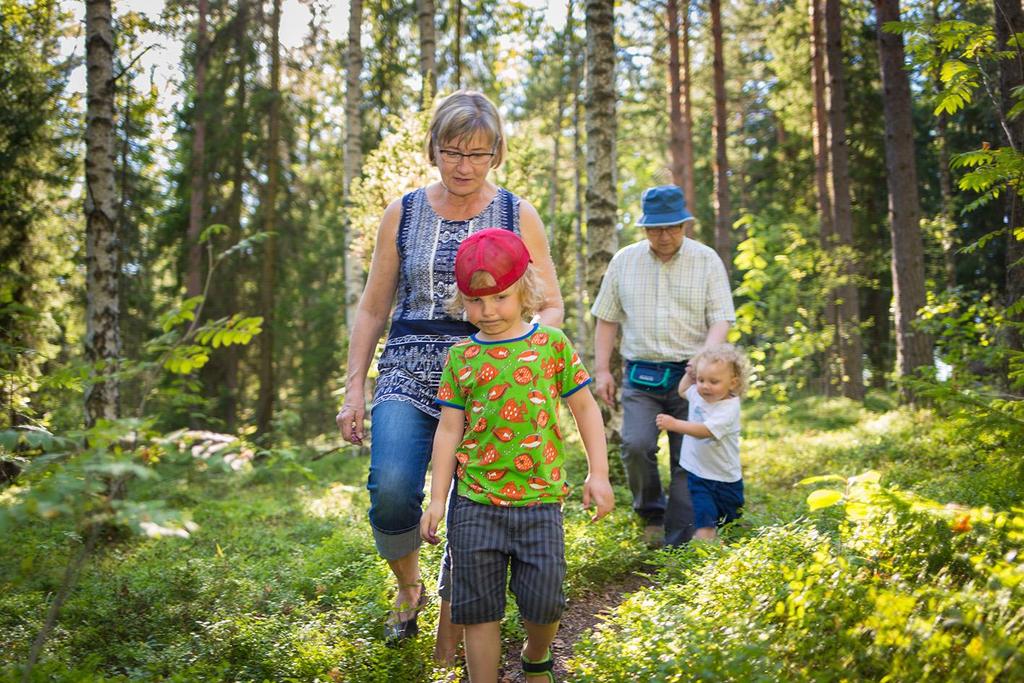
[654, 375]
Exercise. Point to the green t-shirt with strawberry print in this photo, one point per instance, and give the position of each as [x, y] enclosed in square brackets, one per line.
[511, 453]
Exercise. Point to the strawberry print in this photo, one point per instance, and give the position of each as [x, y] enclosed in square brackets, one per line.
[549, 366]
[556, 473]
[559, 364]
[471, 352]
[523, 375]
[580, 377]
[445, 393]
[542, 419]
[558, 346]
[486, 373]
[481, 424]
[512, 411]
[550, 453]
[499, 352]
[490, 455]
[460, 471]
[510, 490]
[463, 458]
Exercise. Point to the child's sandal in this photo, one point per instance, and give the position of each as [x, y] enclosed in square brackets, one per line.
[545, 667]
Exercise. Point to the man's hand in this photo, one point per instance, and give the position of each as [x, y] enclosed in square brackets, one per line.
[429, 521]
[604, 387]
[598, 490]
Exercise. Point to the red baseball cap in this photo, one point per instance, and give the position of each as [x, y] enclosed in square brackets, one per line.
[501, 253]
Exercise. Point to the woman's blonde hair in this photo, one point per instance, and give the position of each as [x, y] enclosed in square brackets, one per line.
[531, 292]
[462, 115]
[732, 357]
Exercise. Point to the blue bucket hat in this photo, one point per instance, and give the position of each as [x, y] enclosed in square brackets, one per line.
[663, 206]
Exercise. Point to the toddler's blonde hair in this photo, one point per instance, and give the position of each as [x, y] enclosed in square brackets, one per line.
[531, 292]
[732, 357]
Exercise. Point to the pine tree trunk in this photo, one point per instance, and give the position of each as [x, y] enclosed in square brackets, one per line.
[913, 348]
[583, 337]
[822, 165]
[229, 405]
[723, 205]
[689, 187]
[268, 272]
[353, 158]
[601, 201]
[675, 110]
[102, 314]
[847, 301]
[428, 49]
[1009, 22]
[197, 198]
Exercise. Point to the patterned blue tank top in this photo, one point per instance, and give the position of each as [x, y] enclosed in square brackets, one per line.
[421, 330]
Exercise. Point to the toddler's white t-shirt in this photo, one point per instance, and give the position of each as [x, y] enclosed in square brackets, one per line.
[718, 456]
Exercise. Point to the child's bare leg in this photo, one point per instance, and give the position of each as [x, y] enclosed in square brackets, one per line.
[538, 641]
[483, 651]
[448, 636]
[705, 533]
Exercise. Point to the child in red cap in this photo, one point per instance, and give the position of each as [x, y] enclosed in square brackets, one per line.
[499, 435]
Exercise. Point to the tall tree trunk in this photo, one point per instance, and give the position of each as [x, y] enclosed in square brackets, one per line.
[102, 308]
[458, 45]
[675, 110]
[689, 186]
[428, 50]
[353, 157]
[580, 280]
[268, 272]
[847, 302]
[913, 348]
[197, 199]
[948, 215]
[601, 200]
[723, 205]
[822, 166]
[234, 216]
[1009, 22]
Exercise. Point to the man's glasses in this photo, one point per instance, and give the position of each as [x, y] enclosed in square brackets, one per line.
[454, 156]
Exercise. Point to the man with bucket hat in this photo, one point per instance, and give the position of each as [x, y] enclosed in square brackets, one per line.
[670, 296]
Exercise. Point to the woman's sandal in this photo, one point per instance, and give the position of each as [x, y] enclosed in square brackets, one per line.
[396, 630]
[545, 667]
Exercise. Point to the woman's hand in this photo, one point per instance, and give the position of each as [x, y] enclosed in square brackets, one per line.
[350, 421]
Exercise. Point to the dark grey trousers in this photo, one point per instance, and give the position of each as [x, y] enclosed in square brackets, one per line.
[640, 458]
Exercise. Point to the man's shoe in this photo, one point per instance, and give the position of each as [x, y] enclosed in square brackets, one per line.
[654, 536]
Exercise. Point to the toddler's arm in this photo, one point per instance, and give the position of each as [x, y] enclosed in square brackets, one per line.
[671, 424]
[597, 488]
[442, 462]
[686, 382]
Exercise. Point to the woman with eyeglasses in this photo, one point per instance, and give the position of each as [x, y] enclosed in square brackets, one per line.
[413, 269]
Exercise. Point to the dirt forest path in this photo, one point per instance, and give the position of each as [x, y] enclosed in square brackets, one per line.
[580, 615]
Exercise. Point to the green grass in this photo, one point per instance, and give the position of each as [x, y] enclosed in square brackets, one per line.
[281, 581]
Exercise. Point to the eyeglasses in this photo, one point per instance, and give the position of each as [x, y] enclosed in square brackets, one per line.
[454, 156]
[670, 231]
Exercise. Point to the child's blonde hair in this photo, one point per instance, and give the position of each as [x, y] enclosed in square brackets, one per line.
[531, 291]
[732, 357]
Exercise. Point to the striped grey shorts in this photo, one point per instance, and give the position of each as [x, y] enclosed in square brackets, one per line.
[483, 540]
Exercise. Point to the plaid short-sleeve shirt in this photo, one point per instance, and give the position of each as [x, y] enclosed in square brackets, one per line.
[664, 308]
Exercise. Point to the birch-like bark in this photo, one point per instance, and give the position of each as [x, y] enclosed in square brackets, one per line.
[102, 250]
[428, 49]
[353, 158]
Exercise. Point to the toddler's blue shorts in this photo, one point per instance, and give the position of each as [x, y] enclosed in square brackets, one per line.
[714, 502]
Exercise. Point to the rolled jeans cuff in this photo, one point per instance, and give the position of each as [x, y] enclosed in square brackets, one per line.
[395, 546]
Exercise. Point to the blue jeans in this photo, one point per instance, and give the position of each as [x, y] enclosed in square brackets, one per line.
[402, 438]
[640, 458]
